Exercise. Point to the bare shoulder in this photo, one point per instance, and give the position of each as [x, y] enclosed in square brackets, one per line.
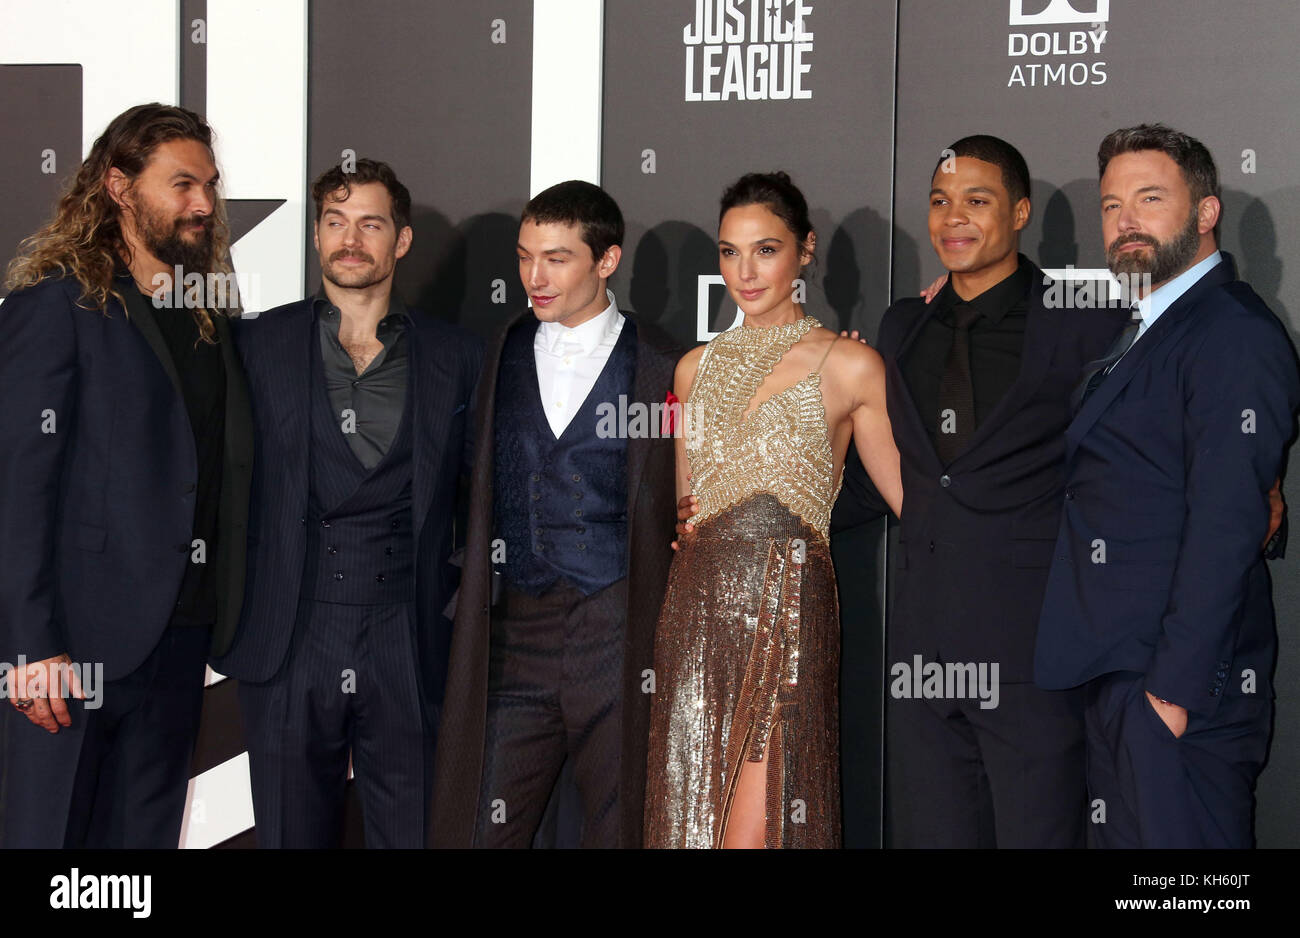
[687, 365]
[848, 359]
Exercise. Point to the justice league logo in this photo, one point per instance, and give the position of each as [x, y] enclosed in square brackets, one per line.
[748, 50]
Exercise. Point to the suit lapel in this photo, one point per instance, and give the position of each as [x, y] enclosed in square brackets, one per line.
[239, 421]
[907, 408]
[298, 343]
[1171, 322]
[141, 313]
[1042, 333]
[430, 415]
[651, 383]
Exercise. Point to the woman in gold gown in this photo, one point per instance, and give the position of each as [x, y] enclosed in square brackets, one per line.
[744, 728]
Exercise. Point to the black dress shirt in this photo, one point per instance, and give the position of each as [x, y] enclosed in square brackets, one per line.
[203, 387]
[377, 396]
[997, 339]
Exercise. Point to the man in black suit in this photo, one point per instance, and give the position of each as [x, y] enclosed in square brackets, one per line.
[361, 411]
[978, 384]
[567, 552]
[125, 456]
[1158, 601]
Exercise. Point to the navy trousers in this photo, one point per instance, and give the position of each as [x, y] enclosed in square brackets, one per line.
[1159, 790]
[348, 686]
[118, 776]
[554, 692]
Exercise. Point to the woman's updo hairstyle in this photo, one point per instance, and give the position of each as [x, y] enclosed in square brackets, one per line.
[775, 192]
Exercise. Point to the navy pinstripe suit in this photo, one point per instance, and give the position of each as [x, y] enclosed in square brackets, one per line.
[302, 641]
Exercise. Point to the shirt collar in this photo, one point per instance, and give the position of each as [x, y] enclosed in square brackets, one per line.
[997, 300]
[1160, 299]
[397, 318]
[588, 335]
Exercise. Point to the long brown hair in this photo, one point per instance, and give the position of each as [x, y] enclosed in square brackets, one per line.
[84, 239]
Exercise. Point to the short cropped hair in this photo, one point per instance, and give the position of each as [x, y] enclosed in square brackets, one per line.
[1189, 153]
[995, 150]
[334, 179]
[579, 203]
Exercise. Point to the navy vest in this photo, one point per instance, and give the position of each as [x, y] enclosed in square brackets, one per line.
[360, 545]
[560, 505]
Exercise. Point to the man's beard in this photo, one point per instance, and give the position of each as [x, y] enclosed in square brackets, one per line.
[164, 240]
[353, 279]
[1167, 258]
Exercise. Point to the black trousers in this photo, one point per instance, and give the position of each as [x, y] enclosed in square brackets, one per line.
[348, 687]
[1150, 788]
[117, 777]
[1007, 776]
[554, 691]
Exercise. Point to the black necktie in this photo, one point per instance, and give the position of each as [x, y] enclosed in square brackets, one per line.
[956, 392]
[1097, 371]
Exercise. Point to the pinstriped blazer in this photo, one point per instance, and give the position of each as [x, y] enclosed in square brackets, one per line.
[275, 348]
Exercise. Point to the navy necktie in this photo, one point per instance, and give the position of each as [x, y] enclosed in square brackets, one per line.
[1099, 369]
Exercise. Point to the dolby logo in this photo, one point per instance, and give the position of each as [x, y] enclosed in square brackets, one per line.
[1059, 46]
[1061, 12]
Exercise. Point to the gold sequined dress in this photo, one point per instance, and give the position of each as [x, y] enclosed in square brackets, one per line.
[748, 644]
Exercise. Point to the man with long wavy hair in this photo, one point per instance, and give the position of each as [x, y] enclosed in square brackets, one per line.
[125, 459]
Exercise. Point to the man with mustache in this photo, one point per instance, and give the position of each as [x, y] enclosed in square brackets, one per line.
[979, 390]
[361, 409]
[1158, 602]
[125, 456]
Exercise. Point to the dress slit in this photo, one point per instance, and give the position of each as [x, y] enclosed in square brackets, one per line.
[747, 648]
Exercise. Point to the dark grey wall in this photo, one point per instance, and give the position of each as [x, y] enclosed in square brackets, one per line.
[40, 110]
[1225, 75]
[836, 144]
[421, 85]
[892, 84]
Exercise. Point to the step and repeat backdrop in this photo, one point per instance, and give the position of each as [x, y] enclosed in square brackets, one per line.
[1053, 79]
[696, 94]
[854, 98]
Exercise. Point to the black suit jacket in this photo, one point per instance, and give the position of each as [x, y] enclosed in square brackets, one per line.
[651, 512]
[97, 477]
[1157, 567]
[976, 536]
[276, 347]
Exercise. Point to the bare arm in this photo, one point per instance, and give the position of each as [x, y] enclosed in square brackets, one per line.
[683, 378]
[872, 434]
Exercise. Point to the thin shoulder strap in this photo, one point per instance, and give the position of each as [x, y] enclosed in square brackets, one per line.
[818, 369]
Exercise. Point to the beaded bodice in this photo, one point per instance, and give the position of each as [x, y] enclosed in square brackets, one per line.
[782, 447]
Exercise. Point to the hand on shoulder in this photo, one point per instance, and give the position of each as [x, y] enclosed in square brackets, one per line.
[853, 356]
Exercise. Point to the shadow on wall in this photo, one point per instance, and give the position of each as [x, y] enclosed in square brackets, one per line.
[849, 276]
[668, 260]
[1247, 231]
[1053, 215]
[662, 278]
[466, 273]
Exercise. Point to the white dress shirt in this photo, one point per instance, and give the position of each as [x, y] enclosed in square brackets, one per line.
[569, 360]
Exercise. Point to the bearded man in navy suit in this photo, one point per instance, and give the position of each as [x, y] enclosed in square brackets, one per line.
[1158, 599]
